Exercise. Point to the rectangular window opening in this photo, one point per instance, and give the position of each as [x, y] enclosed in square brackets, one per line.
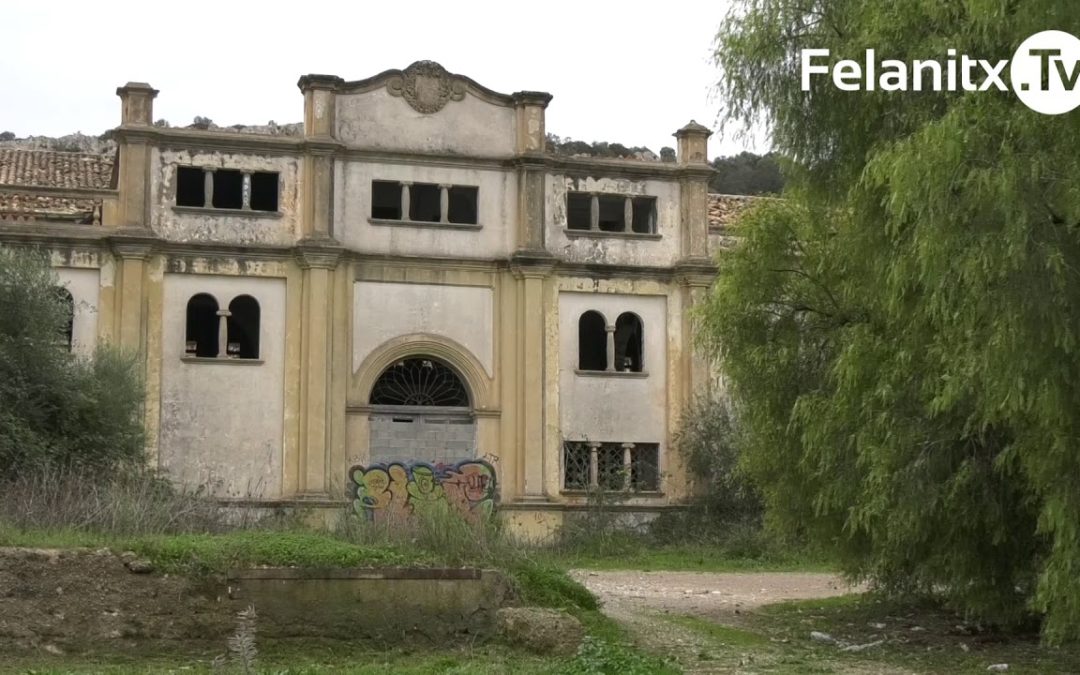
[644, 215]
[385, 200]
[190, 186]
[575, 465]
[228, 189]
[612, 213]
[264, 191]
[463, 205]
[578, 210]
[424, 203]
[645, 467]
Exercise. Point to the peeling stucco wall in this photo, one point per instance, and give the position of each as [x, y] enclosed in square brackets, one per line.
[221, 423]
[470, 127]
[242, 228]
[613, 250]
[84, 286]
[497, 212]
[383, 311]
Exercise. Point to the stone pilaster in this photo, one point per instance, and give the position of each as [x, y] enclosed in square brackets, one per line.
[131, 254]
[317, 261]
[133, 174]
[694, 177]
[531, 275]
[320, 127]
[530, 144]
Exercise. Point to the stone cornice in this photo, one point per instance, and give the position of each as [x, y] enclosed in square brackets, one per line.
[65, 192]
[532, 264]
[214, 140]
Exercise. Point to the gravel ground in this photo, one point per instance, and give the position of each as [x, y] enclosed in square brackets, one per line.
[640, 600]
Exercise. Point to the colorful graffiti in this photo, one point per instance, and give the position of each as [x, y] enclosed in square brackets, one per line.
[388, 492]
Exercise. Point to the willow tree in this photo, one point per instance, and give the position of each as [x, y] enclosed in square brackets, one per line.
[902, 332]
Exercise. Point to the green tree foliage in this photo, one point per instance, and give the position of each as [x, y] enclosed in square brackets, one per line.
[747, 174]
[902, 333]
[58, 410]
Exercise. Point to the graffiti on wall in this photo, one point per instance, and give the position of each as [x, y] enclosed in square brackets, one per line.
[388, 492]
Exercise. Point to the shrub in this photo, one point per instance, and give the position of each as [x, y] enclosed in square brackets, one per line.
[57, 409]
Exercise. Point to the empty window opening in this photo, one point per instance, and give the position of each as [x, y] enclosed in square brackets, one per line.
[592, 341]
[424, 204]
[419, 382]
[190, 186]
[612, 213]
[67, 329]
[644, 209]
[385, 200]
[462, 205]
[628, 342]
[578, 210]
[243, 328]
[264, 191]
[202, 326]
[228, 189]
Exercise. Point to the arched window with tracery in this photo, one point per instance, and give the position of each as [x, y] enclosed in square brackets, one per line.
[592, 341]
[629, 343]
[243, 328]
[419, 381]
[202, 326]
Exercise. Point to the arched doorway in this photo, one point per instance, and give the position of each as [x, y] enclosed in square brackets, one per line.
[421, 412]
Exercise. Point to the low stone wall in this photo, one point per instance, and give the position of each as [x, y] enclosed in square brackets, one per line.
[384, 605]
[75, 599]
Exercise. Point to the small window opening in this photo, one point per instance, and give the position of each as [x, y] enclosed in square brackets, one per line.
[202, 326]
[67, 330]
[243, 328]
[578, 210]
[628, 342]
[385, 200]
[424, 203]
[612, 213]
[264, 191]
[645, 467]
[190, 186]
[644, 215]
[611, 471]
[592, 342]
[575, 465]
[228, 189]
[463, 205]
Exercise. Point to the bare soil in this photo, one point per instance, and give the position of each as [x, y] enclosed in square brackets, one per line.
[57, 600]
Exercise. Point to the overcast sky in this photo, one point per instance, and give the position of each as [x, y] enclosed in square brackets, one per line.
[628, 72]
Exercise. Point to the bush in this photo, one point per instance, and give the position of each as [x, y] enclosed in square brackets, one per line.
[57, 409]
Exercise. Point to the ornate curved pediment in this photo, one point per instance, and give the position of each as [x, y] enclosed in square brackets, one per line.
[426, 86]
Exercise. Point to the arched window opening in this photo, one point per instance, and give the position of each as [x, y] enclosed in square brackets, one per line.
[243, 328]
[202, 326]
[628, 342]
[419, 381]
[592, 341]
[67, 331]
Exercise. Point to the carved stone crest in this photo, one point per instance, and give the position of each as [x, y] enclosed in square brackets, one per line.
[426, 86]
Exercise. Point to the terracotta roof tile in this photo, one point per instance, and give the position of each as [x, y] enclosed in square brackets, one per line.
[47, 168]
[724, 210]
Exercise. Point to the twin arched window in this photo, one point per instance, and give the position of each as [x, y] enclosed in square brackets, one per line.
[205, 337]
[611, 348]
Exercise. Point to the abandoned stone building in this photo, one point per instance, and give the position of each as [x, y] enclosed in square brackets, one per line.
[412, 275]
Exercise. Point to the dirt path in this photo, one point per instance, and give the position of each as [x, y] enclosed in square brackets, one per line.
[642, 600]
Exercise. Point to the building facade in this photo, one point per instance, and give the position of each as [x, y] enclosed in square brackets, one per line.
[412, 277]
